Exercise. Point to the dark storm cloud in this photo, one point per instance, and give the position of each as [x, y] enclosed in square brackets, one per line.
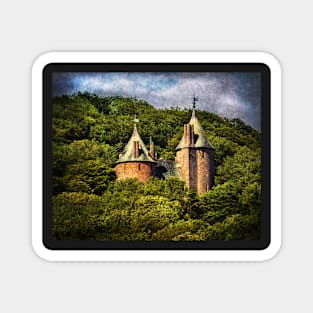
[234, 95]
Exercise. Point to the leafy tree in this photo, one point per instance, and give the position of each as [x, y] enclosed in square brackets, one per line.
[221, 202]
[88, 134]
[91, 176]
[75, 215]
[244, 167]
[151, 214]
[172, 188]
[187, 229]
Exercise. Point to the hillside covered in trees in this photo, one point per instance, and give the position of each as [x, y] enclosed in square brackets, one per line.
[89, 132]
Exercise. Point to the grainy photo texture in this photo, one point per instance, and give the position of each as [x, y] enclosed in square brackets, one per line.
[156, 156]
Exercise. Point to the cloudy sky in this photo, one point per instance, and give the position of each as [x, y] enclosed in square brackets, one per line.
[234, 95]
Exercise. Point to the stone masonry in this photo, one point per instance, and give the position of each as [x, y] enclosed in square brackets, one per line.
[194, 162]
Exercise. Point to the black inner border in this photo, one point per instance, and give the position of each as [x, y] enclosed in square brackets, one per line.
[51, 244]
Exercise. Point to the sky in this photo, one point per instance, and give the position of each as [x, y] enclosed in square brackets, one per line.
[233, 95]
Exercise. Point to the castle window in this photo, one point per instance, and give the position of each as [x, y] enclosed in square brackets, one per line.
[139, 167]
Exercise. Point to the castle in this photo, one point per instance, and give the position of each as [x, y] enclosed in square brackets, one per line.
[194, 162]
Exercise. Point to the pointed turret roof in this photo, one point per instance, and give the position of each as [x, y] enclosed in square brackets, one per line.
[200, 138]
[128, 153]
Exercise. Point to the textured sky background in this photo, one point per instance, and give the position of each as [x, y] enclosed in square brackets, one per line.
[234, 95]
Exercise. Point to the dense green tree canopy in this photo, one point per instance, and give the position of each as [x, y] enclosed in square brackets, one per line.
[89, 132]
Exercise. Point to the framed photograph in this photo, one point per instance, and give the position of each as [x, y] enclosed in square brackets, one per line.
[156, 156]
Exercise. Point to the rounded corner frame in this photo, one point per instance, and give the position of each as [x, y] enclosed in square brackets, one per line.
[265, 254]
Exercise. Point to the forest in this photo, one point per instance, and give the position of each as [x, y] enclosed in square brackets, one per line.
[88, 134]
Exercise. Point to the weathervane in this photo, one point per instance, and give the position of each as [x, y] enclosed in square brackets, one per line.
[195, 99]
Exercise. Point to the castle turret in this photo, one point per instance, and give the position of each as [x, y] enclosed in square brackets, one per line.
[195, 157]
[135, 161]
[151, 152]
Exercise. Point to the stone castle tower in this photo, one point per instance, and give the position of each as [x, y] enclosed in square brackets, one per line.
[135, 161]
[194, 161]
[195, 157]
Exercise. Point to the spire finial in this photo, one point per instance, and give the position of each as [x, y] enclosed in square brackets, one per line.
[195, 99]
[135, 120]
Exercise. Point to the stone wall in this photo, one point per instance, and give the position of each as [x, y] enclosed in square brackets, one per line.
[140, 170]
[205, 170]
[187, 166]
[196, 167]
[182, 163]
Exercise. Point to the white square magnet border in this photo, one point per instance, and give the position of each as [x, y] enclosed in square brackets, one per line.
[195, 58]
